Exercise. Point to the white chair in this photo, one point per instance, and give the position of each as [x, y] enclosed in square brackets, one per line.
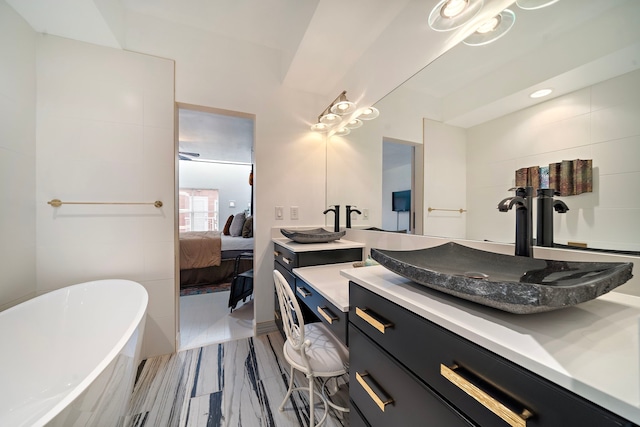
[311, 348]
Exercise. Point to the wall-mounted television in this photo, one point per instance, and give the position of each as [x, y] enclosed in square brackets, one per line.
[401, 201]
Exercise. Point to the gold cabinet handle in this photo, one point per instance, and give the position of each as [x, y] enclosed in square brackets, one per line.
[368, 384]
[303, 292]
[276, 254]
[327, 314]
[373, 319]
[507, 414]
[287, 260]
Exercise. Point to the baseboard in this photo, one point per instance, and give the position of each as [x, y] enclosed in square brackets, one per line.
[265, 327]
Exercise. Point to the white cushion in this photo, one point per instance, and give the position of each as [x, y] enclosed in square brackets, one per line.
[327, 355]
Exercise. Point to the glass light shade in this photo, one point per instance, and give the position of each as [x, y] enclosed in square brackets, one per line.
[319, 127]
[534, 4]
[354, 124]
[330, 119]
[492, 29]
[451, 14]
[369, 113]
[343, 107]
[342, 132]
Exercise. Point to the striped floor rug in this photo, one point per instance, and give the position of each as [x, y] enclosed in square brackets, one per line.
[238, 383]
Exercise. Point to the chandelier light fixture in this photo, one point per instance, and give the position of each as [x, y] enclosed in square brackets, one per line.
[369, 113]
[448, 15]
[492, 29]
[534, 4]
[451, 14]
[353, 124]
[341, 116]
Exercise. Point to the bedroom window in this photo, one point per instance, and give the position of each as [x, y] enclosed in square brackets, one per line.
[198, 209]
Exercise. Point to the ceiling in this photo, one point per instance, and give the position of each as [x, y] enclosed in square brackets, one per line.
[567, 46]
[215, 137]
[369, 47]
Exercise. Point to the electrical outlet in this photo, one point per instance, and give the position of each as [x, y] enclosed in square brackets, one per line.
[279, 212]
[365, 213]
[293, 211]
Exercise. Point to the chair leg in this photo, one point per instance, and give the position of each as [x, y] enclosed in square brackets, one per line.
[326, 392]
[311, 396]
[289, 390]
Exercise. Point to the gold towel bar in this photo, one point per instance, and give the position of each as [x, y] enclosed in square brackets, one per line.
[448, 210]
[56, 203]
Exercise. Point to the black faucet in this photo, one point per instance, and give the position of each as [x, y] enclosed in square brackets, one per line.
[349, 210]
[546, 206]
[336, 216]
[524, 218]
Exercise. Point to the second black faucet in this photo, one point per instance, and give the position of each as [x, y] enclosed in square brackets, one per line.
[349, 211]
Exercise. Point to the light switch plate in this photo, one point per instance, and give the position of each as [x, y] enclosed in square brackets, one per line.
[279, 212]
[293, 211]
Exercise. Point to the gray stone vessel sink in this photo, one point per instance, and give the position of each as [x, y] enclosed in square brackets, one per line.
[511, 283]
[315, 235]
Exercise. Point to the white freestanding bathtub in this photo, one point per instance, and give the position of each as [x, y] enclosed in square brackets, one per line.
[69, 357]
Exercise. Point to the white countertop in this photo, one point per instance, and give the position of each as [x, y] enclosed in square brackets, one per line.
[592, 349]
[327, 280]
[308, 247]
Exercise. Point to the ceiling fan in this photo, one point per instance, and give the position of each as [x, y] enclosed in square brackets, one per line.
[186, 155]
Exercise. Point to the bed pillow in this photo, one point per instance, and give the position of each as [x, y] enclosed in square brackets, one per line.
[247, 228]
[225, 230]
[236, 225]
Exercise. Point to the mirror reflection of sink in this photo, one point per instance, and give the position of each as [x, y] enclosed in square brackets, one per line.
[510, 283]
[315, 235]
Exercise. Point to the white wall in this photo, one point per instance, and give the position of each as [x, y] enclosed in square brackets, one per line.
[17, 158]
[445, 180]
[231, 180]
[105, 132]
[214, 71]
[599, 123]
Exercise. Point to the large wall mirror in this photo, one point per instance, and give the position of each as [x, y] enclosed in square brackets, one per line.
[470, 114]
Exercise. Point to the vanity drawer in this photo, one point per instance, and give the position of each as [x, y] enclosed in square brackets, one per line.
[356, 419]
[288, 275]
[450, 363]
[389, 395]
[328, 314]
[291, 260]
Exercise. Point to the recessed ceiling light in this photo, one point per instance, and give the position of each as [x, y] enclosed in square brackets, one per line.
[540, 93]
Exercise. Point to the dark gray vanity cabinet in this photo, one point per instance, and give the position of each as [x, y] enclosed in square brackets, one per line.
[290, 259]
[314, 306]
[405, 370]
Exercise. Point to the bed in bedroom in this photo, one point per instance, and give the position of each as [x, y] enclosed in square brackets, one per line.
[209, 257]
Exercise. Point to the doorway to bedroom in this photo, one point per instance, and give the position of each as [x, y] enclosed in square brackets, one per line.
[215, 224]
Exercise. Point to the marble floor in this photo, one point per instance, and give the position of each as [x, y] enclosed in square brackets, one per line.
[236, 383]
[205, 319]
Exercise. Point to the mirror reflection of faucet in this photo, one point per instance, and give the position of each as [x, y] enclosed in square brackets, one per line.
[349, 211]
[336, 216]
[544, 220]
[524, 218]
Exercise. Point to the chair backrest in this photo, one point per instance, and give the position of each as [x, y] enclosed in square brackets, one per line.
[292, 320]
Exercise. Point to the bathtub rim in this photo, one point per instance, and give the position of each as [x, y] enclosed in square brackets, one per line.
[136, 321]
